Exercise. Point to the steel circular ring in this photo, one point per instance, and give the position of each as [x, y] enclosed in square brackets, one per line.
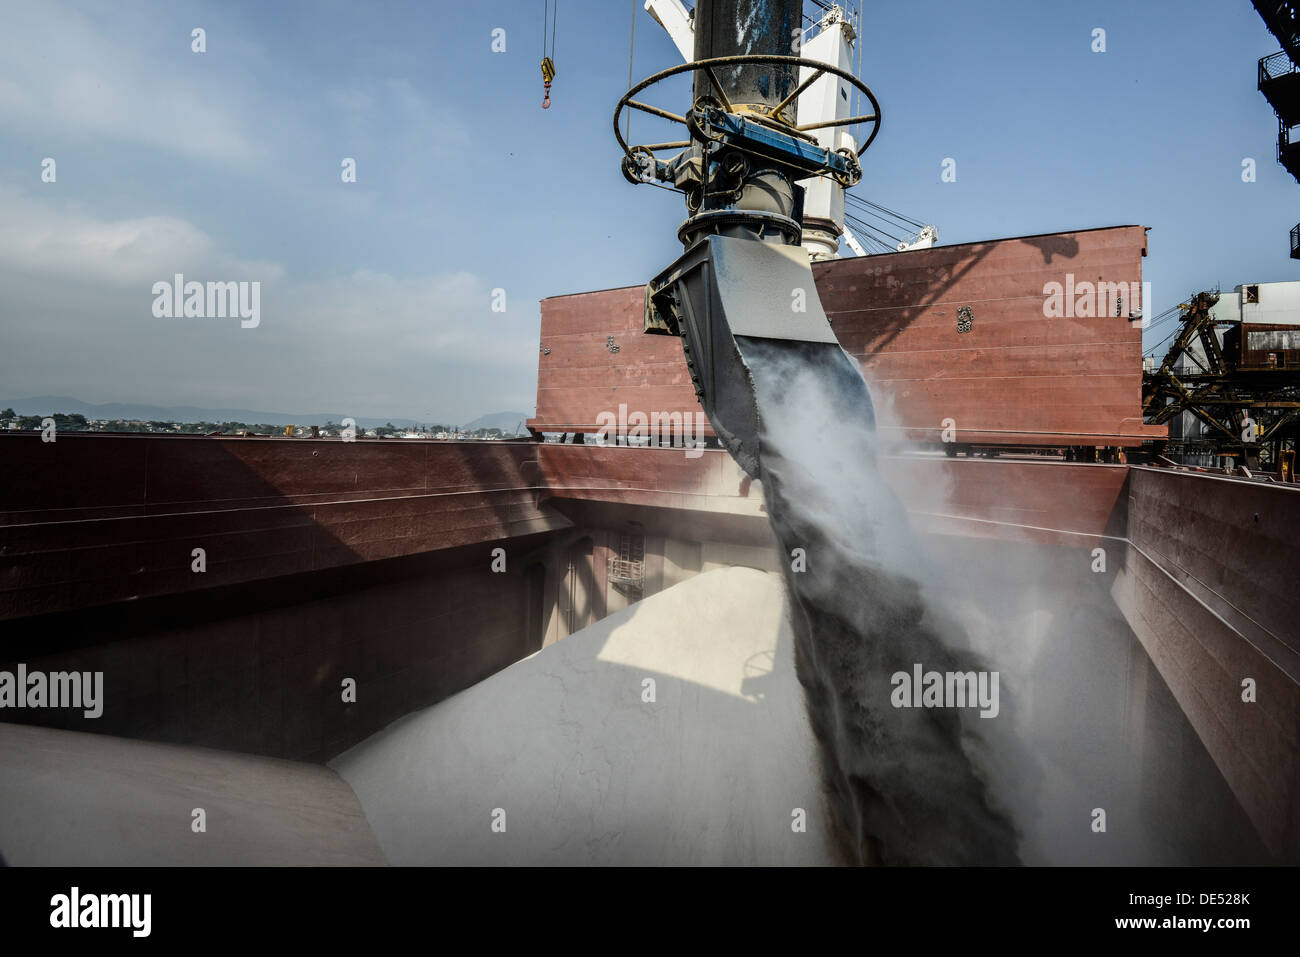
[751, 58]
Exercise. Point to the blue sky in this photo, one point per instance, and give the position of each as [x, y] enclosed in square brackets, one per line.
[376, 295]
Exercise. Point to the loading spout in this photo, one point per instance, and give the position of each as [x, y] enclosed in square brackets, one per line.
[720, 293]
[744, 278]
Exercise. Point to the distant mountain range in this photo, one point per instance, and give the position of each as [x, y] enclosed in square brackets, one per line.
[49, 404]
[510, 423]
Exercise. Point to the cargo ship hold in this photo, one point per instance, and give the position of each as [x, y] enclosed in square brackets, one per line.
[587, 633]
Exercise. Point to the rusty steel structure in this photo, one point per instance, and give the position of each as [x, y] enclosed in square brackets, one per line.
[1247, 396]
[1279, 81]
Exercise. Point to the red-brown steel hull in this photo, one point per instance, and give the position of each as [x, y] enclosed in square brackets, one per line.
[1017, 377]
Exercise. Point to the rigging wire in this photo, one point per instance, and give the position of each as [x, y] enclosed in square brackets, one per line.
[867, 204]
[1152, 350]
[872, 230]
[1176, 330]
[872, 244]
[882, 219]
[548, 64]
[862, 201]
[1172, 312]
[1160, 321]
[631, 46]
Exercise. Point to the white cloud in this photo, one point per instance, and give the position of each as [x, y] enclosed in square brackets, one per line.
[64, 74]
[76, 281]
[75, 301]
[43, 238]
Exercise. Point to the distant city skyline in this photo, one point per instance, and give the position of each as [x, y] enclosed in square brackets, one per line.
[118, 411]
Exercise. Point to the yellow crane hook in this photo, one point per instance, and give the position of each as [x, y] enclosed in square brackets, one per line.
[548, 74]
